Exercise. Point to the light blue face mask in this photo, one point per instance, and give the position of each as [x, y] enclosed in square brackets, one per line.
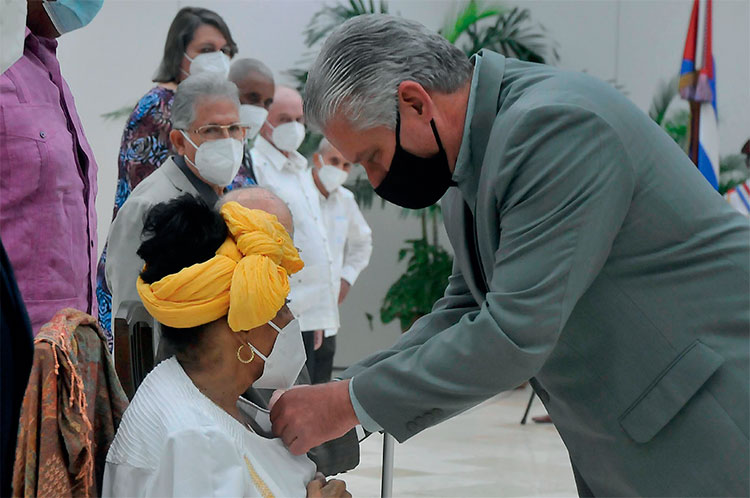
[69, 15]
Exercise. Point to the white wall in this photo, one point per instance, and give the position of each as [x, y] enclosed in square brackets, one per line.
[639, 43]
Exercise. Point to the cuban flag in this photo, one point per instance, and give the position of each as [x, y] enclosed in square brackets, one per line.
[698, 86]
[739, 197]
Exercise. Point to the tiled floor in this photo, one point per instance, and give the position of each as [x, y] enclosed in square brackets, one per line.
[484, 452]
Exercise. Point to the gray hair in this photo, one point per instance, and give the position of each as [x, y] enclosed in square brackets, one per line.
[324, 146]
[241, 68]
[362, 63]
[196, 88]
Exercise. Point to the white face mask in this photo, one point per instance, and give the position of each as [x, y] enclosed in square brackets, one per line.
[332, 177]
[12, 31]
[288, 136]
[212, 62]
[283, 365]
[253, 116]
[217, 161]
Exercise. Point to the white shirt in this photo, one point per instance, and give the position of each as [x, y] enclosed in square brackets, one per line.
[349, 239]
[311, 297]
[174, 441]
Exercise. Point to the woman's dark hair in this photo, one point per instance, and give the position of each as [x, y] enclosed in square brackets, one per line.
[180, 35]
[177, 234]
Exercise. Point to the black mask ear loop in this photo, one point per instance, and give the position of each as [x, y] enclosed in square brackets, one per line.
[434, 133]
[441, 150]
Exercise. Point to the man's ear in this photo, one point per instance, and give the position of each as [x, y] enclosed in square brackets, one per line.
[178, 141]
[413, 99]
[317, 161]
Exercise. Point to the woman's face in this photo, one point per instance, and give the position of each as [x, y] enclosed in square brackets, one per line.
[264, 337]
[206, 39]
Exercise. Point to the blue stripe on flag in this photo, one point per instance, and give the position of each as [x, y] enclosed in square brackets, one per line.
[706, 168]
[688, 66]
[742, 197]
[712, 82]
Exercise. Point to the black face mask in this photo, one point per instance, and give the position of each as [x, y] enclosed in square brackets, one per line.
[416, 182]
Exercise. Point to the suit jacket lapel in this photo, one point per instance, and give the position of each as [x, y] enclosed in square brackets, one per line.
[491, 67]
[460, 205]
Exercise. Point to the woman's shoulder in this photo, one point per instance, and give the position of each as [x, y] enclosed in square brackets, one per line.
[154, 106]
[163, 407]
[157, 100]
[158, 93]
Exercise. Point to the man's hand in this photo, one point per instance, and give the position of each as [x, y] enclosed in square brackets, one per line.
[318, 336]
[308, 416]
[344, 290]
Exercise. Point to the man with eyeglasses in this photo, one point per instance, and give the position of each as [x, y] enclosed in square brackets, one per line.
[208, 137]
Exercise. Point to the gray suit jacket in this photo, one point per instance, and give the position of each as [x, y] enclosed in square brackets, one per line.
[123, 264]
[591, 255]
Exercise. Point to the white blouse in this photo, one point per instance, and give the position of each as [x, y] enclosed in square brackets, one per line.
[174, 441]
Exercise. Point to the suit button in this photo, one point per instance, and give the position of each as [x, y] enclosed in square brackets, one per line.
[43, 134]
[412, 427]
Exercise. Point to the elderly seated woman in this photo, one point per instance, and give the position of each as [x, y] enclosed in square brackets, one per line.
[218, 283]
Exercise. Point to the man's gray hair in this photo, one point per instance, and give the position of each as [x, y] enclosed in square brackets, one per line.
[198, 87]
[324, 146]
[242, 68]
[362, 63]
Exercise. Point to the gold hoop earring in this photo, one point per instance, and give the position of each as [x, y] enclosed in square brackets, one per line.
[252, 355]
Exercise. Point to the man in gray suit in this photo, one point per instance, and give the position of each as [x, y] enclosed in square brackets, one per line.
[591, 257]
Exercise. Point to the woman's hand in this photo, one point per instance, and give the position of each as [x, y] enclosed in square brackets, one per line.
[319, 488]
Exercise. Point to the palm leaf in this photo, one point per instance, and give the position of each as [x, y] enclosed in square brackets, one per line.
[465, 18]
[665, 94]
[732, 172]
[121, 113]
[512, 34]
[330, 17]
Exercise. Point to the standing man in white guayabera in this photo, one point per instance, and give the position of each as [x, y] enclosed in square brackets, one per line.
[591, 257]
[349, 236]
[285, 171]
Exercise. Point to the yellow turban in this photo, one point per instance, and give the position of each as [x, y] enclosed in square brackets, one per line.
[248, 279]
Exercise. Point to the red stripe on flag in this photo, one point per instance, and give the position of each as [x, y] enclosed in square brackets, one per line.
[708, 60]
[689, 53]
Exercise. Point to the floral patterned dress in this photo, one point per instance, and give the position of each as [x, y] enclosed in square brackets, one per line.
[145, 146]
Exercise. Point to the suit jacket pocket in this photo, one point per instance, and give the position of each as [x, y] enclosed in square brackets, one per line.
[671, 390]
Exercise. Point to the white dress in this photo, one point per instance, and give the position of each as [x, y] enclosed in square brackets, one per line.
[174, 441]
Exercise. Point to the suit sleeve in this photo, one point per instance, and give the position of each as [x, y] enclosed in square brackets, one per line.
[570, 189]
[123, 263]
[447, 311]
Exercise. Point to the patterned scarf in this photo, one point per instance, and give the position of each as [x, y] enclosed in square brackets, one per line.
[72, 407]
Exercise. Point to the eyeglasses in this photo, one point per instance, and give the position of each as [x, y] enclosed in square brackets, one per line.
[217, 132]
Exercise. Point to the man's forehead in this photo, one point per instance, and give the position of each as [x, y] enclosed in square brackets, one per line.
[343, 138]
